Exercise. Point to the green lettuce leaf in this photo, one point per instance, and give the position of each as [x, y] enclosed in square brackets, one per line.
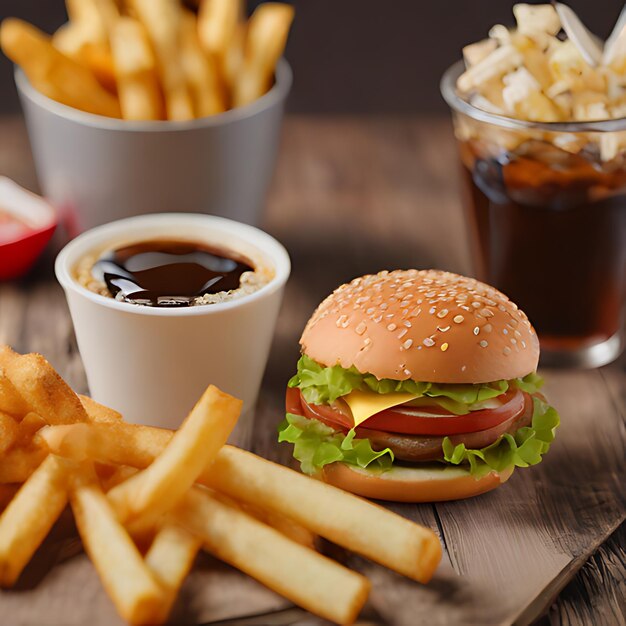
[531, 383]
[522, 449]
[323, 385]
[316, 445]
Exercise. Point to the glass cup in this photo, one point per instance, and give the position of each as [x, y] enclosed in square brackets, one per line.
[545, 205]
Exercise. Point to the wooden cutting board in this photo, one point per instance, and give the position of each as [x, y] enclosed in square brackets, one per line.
[507, 553]
[360, 184]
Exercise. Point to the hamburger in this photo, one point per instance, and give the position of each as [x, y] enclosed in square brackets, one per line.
[417, 386]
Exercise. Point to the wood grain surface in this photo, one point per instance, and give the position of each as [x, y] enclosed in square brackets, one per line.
[353, 196]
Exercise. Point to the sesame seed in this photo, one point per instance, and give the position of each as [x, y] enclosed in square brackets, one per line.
[506, 351]
[407, 323]
[432, 310]
[487, 328]
[340, 321]
[483, 344]
[505, 331]
[444, 347]
[443, 329]
[513, 341]
[486, 313]
[463, 368]
[384, 306]
[476, 305]
[391, 327]
[407, 344]
[523, 344]
[361, 328]
[476, 330]
[442, 313]
[403, 332]
[345, 324]
[378, 318]
[458, 319]
[389, 315]
[370, 310]
[367, 341]
[407, 372]
[428, 342]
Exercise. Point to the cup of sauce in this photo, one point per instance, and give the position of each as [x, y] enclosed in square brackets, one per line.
[164, 305]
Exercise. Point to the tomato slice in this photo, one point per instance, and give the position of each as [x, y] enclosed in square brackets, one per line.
[403, 419]
[292, 401]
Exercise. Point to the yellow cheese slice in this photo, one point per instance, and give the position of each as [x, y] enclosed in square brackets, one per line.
[364, 404]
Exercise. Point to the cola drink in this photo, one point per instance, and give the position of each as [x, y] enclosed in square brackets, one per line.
[548, 228]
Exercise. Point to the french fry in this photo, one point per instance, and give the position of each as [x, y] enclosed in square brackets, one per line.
[9, 432]
[170, 559]
[29, 517]
[217, 23]
[135, 67]
[193, 448]
[18, 464]
[161, 19]
[343, 518]
[78, 44]
[113, 475]
[294, 531]
[99, 60]
[118, 444]
[70, 39]
[305, 577]
[44, 390]
[97, 412]
[27, 428]
[233, 58]
[201, 71]
[11, 401]
[127, 579]
[86, 16]
[266, 38]
[52, 73]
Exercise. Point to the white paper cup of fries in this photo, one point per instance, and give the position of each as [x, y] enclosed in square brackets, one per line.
[152, 363]
[102, 169]
[142, 107]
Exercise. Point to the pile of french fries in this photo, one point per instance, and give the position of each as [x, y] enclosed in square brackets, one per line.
[146, 500]
[153, 59]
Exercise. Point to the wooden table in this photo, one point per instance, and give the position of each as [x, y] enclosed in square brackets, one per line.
[358, 195]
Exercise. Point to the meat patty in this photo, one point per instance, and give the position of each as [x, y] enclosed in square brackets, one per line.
[429, 448]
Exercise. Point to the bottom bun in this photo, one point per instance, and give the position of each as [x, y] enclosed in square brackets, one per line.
[408, 484]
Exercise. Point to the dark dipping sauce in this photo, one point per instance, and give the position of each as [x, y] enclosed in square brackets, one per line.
[169, 273]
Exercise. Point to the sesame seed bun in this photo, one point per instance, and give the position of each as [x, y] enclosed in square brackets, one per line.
[411, 484]
[426, 325]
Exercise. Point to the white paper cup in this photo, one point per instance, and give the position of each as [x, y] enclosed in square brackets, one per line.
[99, 169]
[152, 364]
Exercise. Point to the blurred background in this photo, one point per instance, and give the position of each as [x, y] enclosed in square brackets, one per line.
[358, 56]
